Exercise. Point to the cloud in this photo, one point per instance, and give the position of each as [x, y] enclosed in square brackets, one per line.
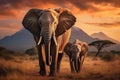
[118, 14]
[106, 25]
[10, 24]
[114, 3]
[6, 6]
[13, 11]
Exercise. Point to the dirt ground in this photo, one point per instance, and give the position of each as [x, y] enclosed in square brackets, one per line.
[26, 68]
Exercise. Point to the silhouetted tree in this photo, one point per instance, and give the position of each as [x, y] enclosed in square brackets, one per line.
[100, 44]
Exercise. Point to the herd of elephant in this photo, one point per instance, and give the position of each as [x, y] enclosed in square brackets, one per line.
[51, 29]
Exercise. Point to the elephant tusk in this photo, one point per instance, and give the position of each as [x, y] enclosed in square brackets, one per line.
[39, 41]
[55, 40]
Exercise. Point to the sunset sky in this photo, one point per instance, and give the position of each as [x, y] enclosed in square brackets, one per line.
[92, 15]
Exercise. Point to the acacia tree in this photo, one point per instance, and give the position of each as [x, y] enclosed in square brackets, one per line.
[100, 44]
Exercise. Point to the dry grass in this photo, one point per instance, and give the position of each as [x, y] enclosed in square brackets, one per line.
[26, 68]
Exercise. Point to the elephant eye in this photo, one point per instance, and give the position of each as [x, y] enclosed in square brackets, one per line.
[39, 23]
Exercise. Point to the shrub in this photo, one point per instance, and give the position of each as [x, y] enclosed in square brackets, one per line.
[107, 57]
[2, 48]
[5, 70]
[8, 54]
[31, 51]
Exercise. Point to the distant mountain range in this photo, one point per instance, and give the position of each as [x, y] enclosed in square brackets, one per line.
[19, 41]
[102, 36]
[78, 33]
[23, 39]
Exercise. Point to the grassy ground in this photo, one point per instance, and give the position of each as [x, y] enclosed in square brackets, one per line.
[24, 67]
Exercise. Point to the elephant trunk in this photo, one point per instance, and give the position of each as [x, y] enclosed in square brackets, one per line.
[76, 60]
[46, 36]
[76, 64]
[47, 51]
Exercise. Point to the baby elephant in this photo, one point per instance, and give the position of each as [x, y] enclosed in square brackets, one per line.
[76, 52]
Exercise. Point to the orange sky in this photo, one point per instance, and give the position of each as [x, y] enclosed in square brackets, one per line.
[92, 15]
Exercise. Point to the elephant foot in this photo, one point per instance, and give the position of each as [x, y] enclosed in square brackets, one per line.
[58, 70]
[42, 73]
[77, 71]
[72, 71]
[52, 74]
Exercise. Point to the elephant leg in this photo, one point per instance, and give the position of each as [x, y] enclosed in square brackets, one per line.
[72, 66]
[54, 61]
[81, 62]
[60, 56]
[41, 61]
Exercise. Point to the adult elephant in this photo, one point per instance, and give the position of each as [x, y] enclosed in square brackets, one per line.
[76, 52]
[51, 30]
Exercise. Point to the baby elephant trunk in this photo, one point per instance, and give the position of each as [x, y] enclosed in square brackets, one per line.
[76, 61]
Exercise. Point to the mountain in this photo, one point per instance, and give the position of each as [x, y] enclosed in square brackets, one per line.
[19, 41]
[102, 36]
[23, 39]
[77, 33]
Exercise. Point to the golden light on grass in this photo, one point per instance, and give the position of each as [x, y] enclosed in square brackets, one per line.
[26, 67]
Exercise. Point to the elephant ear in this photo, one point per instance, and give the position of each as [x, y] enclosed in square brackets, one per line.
[67, 48]
[30, 21]
[66, 21]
